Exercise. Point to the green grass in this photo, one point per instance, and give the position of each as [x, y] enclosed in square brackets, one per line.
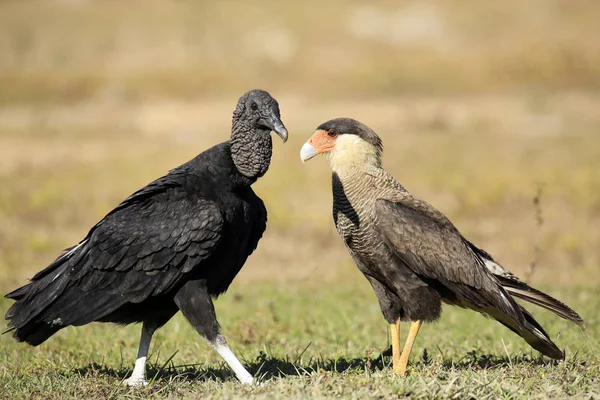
[311, 341]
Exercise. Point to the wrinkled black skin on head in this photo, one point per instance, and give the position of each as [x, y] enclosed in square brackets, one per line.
[349, 126]
[251, 145]
[259, 116]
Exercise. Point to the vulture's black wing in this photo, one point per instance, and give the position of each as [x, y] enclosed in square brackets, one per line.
[144, 247]
[260, 219]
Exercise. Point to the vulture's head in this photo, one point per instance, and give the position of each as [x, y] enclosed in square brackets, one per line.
[344, 141]
[256, 109]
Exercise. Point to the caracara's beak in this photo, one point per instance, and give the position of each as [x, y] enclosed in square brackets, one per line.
[318, 143]
[307, 152]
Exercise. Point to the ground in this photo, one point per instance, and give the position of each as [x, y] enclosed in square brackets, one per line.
[306, 342]
[489, 112]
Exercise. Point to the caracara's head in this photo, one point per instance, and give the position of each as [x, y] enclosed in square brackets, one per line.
[345, 141]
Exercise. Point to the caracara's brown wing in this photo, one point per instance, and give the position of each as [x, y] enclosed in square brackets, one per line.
[427, 242]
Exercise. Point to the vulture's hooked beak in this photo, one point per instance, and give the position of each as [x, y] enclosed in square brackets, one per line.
[281, 131]
[277, 126]
[271, 120]
[318, 143]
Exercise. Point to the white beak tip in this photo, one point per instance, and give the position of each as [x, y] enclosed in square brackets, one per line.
[307, 152]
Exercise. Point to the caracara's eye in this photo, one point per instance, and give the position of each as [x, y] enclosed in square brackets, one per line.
[331, 133]
[254, 106]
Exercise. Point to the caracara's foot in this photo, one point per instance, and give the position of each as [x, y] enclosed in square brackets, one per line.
[399, 371]
[401, 363]
[136, 381]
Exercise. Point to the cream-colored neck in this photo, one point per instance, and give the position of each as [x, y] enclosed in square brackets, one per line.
[351, 153]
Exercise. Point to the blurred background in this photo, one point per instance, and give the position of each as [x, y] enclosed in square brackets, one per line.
[488, 110]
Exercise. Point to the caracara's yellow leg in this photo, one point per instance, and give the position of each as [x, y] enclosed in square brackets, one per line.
[395, 328]
[410, 340]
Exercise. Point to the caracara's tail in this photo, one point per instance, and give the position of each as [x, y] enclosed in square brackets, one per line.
[527, 327]
[515, 287]
[525, 292]
[530, 330]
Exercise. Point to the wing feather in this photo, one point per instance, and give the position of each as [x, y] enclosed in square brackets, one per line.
[144, 247]
[427, 242]
[125, 241]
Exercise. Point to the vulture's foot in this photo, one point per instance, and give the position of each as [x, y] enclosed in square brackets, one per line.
[136, 381]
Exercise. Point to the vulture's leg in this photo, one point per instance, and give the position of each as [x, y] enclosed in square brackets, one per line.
[138, 376]
[395, 328]
[220, 345]
[410, 340]
[197, 307]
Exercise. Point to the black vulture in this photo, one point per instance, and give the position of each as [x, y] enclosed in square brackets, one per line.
[171, 246]
[411, 254]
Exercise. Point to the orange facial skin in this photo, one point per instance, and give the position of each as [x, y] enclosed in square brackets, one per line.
[322, 141]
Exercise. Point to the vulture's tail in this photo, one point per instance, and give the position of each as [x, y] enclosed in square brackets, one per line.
[24, 315]
[530, 330]
[27, 317]
[525, 292]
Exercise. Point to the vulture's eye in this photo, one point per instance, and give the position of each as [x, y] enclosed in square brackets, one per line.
[331, 133]
[254, 106]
